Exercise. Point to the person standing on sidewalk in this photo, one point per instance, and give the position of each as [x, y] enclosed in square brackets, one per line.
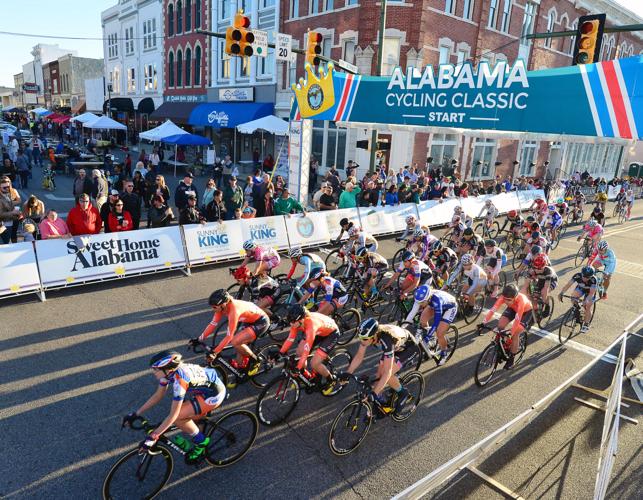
[101, 188]
[22, 166]
[232, 196]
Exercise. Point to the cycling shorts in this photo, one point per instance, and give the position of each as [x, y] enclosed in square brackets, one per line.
[326, 344]
[406, 357]
[267, 291]
[339, 301]
[259, 327]
[207, 398]
[494, 261]
[482, 282]
[272, 262]
[425, 275]
[448, 315]
[583, 292]
[527, 318]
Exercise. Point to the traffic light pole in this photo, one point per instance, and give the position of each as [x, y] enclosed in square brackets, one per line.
[380, 51]
[558, 34]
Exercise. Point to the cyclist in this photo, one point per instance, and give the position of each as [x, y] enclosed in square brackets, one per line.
[357, 238]
[629, 197]
[562, 207]
[536, 239]
[585, 286]
[539, 209]
[604, 256]
[439, 307]
[554, 221]
[598, 215]
[470, 242]
[398, 351]
[476, 277]
[494, 259]
[515, 221]
[545, 278]
[412, 224]
[246, 322]
[417, 273]
[531, 254]
[455, 229]
[421, 244]
[593, 231]
[310, 261]
[519, 310]
[345, 225]
[335, 296]
[601, 200]
[577, 204]
[196, 391]
[491, 212]
[267, 258]
[268, 292]
[444, 260]
[464, 217]
[621, 199]
[314, 326]
[372, 265]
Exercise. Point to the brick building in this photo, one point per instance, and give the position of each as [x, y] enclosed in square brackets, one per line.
[452, 31]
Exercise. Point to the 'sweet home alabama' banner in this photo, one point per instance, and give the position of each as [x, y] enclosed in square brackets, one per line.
[603, 99]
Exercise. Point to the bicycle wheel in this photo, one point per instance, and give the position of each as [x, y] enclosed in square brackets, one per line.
[615, 211]
[338, 362]
[452, 336]
[502, 280]
[522, 348]
[397, 258]
[139, 476]
[493, 230]
[339, 272]
[517, 260]
[622, 216]
[240, 293]
[230, 437]
[277, 400]
[569, 327]
[470, 314]
[554, 243]
[333, 261]
[481, 230]
[279, 328]
[348, 322]
[580, 256]
[541, 318]
[264, 374]
[486, 365]
[222, 372]
[414, 383]
[350, 427]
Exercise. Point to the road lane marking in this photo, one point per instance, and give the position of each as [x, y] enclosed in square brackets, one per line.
[623, 230]
[628, 268]
[58, 198]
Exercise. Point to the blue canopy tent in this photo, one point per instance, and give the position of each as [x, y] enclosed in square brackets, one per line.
[185, 140]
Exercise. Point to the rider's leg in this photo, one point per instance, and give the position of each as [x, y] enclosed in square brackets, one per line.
[317, 363]
[325, 308]
[425, 317]
[440, 334]
[515, 339]
[240, 341]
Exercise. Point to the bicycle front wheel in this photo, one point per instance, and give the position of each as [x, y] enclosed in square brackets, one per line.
[277, 400]
[333, 261]
[493, 230]
[568, 327]
[413, 382]
[231, 437]
[541, 318]
[471, 313]
[139, 475]
[486, 366]
[580, 256]
[348, 322]
[350, 427]
[264, 374]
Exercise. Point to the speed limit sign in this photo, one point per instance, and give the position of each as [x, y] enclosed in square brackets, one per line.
[283, 44]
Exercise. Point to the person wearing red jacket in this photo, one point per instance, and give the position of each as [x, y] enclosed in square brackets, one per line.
[84, 218]
[119, 219]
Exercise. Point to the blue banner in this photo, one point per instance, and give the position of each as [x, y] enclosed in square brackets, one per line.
[603, 99]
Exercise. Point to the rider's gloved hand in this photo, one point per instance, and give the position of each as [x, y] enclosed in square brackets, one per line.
[129, 419]
[149, 442]
[194, 342]
[343, 376]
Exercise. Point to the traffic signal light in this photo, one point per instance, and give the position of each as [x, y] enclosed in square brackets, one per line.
[589, 37]
[239, 37]
[313, 48]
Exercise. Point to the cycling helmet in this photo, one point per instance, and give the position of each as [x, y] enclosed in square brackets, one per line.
[512, 214]
[457, 209]
[436, 246]
[408, 255]
[219, 297]
[166, 360]
[551, 208]
[466, 259]
[295, 252]
[422, 293]
[510, 291]
[410, 220]
[468, 232]
[591, 223]
[535, 226]
[603, 245]
[344, 222]
[535, 235]
[419, 233]
[490, 243]
[535, 250]
[622, 190]
[367, 329]
[531, 219]
[295, 313]
[353, 231]
[540, 261]
[249, 245]
[560, 201]
[316, 273]
[588, 271]
[361, 252]
[487, 203]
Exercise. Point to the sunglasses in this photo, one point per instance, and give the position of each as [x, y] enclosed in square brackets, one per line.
[84, 201]
[119, 205]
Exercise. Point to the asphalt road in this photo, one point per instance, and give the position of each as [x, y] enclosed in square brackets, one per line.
[74, 365]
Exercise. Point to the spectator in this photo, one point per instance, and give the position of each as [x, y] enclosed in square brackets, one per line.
[391, 196]
[327, 200]
[22, 167]
[286, 205]
[208, 194]
[108, 207]
[312, 176]
[215, 211]
[131, 203]
[117, 178]
[191, 214]
[84, 218]
[268, 163]
[101, 188]
[259, 194]
[269, 201]
[140, 188]
[183, 190]
[150, 178]
[155, 159]
[227, 168]
[232, 196]
[255, 156]
[280, 183]
[332, 178]
[140, 167]
[36, 151]
[348, 198]
[159, 188]
[142, 157]
[82, 184]
[159, 214]
[33, 209]
[119, 219]
[127, 170]
[414, 196]
[247, 191]
[52, 227]
[8, 169]
[247, 212]
[9, 211]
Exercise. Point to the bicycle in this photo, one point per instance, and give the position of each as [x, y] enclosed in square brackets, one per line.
[495, 353]
[622, 213]
[431, 349]
[512, 243]
[468, 313]
[355, 419]
[337, 257]
[143, 474]
[488, 229]
[575, 316]
[48, 181]
[584, 252]
[575, 215]
[280, 396]
[541, 318]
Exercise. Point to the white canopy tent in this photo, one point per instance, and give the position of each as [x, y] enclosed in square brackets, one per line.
[270, 124]
[104, 123]
[85, 117]
[166, 129]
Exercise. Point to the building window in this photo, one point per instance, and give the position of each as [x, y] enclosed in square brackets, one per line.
[330, 5]
[112, 45]
[266, 64]
[151, 81]
[314, 6]
[449, 6]
[390, 55]
[551, 20]
[467, 12]
[224, 67]
[197, 66]
[188, 15]
[129, 41]
[493, 14]
[197, 14]
[170, 70]
[243, 67]
[351, 2]
[116, 81]
[483, 153]
[149, 34]
[443, 148]
[225, 9]
[270, 3]
[170, 20]
[444, 54]
[131, 80]
[179, 17]
[528, 22]
[188, 67]
[506, 16]
[294, 9]
[348, 51]
[329, 144]
[179, 68]
[55, 86]
[527, 157]
[326, 46]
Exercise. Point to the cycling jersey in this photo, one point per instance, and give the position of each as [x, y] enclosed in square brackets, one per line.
[494, 259]
[446, 257]
[584, 286]
[237, 312]
[314, 325]
[392, 339]
[425, 245]
[375, 261]
[333, 288]
[520, 306]
[472, 243]
[409, 230]
[516, 222]
[492, 212]
[310, 262]
[444, 305]
[529, 257]
[188, 377]
[475, 277]
[265, 254]
[593, 232]
[541, 242]
[367, 240]
[543, 275]
[268, 287]
[458, 228]
[555, 220]
[607, 260]
[416, 269]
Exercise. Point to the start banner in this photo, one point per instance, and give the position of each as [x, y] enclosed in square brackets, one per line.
[18, 269]
[399, 213]
[334, 216]
[111, 255]
[375, 220]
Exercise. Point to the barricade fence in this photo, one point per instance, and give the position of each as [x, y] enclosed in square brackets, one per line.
[60, 263]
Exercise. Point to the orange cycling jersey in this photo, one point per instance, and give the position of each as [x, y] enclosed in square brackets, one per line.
[315, 325]
[520, 305]
[237, 311]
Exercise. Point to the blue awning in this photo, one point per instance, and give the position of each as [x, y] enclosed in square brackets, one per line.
[228, 114]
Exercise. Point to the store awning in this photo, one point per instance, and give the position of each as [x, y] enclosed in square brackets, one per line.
[229, 115]
[79, 108]
[123, 104]
[146, 106]
[178, 112]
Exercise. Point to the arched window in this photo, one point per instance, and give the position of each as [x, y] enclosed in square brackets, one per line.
[188, 15]
[551, 20]
[170, 20]
[179, 17]
[188, 67]
[197, 14]
[179, 68]
[197, 66]
[170, 70]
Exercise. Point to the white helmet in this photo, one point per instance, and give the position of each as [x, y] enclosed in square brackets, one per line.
[419, 233]
[295, 252]
[410, 220]
[249, 245]
[466, 259]
[487, 202]
[457, 209]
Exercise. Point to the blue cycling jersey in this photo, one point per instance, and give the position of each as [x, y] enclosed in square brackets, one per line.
[440, 302]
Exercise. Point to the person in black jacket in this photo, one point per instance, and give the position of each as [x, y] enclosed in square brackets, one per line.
[184, 190]
[131, 202]
[215, 211]
[159, 214]
[191, 213]
[108, 207]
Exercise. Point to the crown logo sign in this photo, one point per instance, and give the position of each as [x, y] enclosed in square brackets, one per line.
[315, 94]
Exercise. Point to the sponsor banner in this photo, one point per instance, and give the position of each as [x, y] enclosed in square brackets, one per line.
[555, 193]
[526, 198]
[309, 230]
[424, 211]
[213, 241]
[66, 261]
[266, 231]
[473, 205]
[505, 202]
[399, 213]
[18, 269]
[612, 191]
[334, 216]
[375, 220]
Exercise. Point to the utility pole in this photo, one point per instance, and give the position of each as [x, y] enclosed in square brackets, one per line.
[380, 51]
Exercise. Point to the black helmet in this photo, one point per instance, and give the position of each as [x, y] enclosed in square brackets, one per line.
[588, 271]
[490, 243]
[345, 222]
[536, 249]
[407, 255]
[316, 273]
[530, 219]
[166, 360]
[295, 313]
[219, 297]
[468, 232]
[510, 291]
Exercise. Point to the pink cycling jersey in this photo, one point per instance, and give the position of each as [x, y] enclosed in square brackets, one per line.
[266, 254]
[593, 232]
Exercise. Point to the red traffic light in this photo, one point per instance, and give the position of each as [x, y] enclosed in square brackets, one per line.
[587, 27]
[314, 37]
